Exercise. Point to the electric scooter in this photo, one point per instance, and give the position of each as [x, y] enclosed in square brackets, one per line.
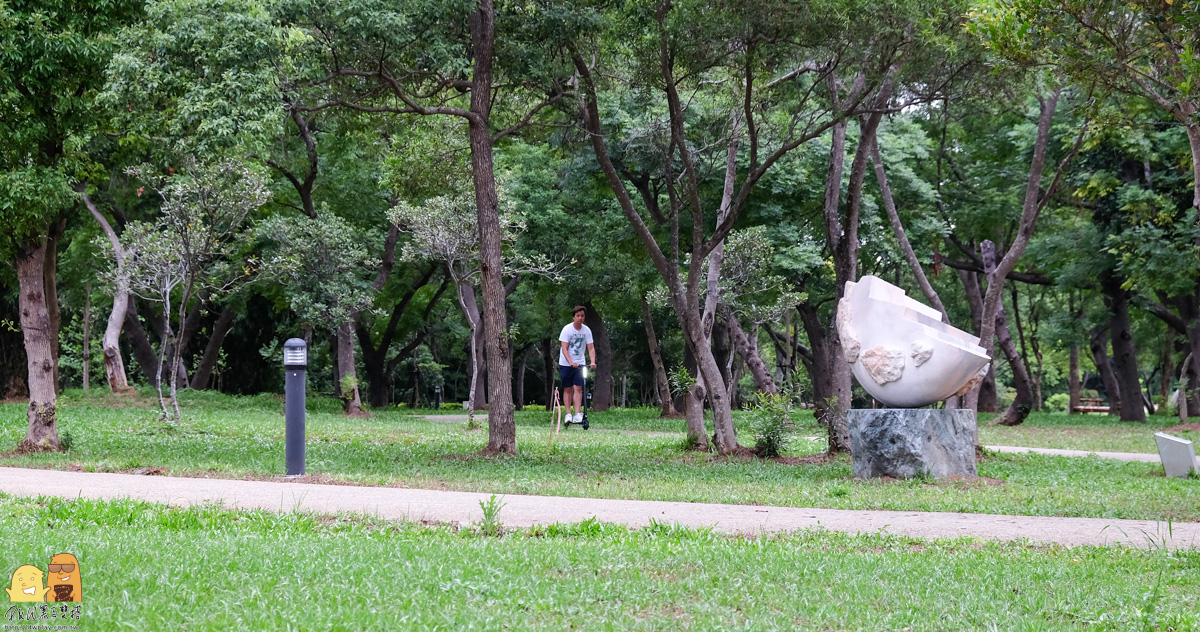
[587, 400]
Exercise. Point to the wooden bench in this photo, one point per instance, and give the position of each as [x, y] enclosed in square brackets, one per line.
[1091, 405]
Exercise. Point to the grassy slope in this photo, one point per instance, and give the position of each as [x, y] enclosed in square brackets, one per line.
[148, 567]
[628, 454]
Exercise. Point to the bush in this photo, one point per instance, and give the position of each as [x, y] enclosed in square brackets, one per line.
[1058, 402]
[772, 423]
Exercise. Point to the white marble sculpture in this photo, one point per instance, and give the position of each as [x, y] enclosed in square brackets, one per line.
[900, 351]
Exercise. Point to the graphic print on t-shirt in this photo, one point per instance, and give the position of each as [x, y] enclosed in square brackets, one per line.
[577, 341]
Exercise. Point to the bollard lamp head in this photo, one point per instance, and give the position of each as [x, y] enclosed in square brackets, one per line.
[295, 354]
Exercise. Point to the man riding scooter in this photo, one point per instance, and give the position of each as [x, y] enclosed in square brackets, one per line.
[571, 372]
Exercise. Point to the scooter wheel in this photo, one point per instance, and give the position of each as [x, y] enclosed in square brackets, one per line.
[585, 424]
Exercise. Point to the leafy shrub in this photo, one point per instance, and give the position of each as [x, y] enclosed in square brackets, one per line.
[772, 423]
[1058, 402]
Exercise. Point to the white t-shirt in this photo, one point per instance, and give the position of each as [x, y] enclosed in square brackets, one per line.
[577, 342]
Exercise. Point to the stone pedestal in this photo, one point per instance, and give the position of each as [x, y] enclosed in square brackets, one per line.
[909, 442]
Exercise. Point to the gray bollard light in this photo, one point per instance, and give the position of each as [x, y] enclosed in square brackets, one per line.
[295, 366]
[437, 397]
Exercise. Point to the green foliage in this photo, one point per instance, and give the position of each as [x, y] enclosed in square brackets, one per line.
[1058, 402]
[681, 379]
[53, 54]
[201, 76]
[348, 385]
[772, 424]
[322, 263]
[490, 523]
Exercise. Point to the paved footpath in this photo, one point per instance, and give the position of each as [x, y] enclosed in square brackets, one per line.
[1118, 456]
[522, 511]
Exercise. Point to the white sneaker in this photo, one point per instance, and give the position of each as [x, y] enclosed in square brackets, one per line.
[578, 418]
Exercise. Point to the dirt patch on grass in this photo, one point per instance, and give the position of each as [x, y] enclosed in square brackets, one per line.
[812, 459]
[25, 448]
[740, 453]
[146, 471]
[964, 482]
[1195, 427]
[488, 454]
[961, 482]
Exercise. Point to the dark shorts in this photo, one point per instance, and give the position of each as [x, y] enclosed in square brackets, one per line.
[570, 375]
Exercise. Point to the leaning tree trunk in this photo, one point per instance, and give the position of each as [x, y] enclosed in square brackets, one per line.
[212, 350]
[139, 343]
[1023, 402]
[114, 365]
[660, 372]
[1124, 358]
[984, 398]
[42, 433]
[1099, 346]
[347, 374]
[602, 394]
[748, 349]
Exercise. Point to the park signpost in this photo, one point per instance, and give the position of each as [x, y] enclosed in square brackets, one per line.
[295, 365]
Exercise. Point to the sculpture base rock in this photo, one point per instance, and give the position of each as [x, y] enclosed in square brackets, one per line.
[910, 442]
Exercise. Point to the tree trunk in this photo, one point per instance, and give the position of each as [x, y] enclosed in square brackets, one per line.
[379, 382]
[114, 365]
[502, 429]
[1019, 409]
[51, 282]
[1073, 381]
[984, 399]
[519, 380]
[347, 374]
[1164, 385]
[1125, 364]
[1183, 403]
[1099, 346]
[898, 231]
[548, 357]
[693, 403]
[212, 350]
[42, 433]
[602, 394]
[661, 382]
[693, 400]
[139, 342]
[167, 339]
[87, 336]
[723, 353]
[1031, 207]
[831, 379]
[748, 349]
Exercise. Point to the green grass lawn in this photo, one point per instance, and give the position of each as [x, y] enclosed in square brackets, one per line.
[1100, 433]
[628, 454]
[150, 567]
